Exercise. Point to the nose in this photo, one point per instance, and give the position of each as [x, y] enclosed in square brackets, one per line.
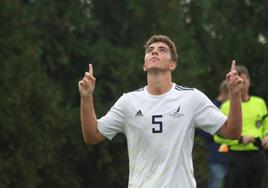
[154, 52]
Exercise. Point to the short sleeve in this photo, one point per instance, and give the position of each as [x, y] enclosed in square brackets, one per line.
[265, 119]
[113, 122]
[206, 115]
[265, 125]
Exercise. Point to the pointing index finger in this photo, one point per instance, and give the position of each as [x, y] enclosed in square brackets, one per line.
[90, 69]
[233, 65]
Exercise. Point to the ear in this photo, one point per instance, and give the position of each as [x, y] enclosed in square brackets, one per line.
[172, 66]
[144, 68]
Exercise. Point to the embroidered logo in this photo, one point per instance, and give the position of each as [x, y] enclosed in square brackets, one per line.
[259, 120]
[258, 124]
[139, 114]
[177, 114]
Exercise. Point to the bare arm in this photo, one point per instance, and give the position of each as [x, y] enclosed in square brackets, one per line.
[233, 126]
[87, 113]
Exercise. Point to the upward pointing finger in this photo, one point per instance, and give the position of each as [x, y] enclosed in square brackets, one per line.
[233, 65]
[90, 69]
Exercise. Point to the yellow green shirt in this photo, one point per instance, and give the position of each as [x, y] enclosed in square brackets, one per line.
[253, 112]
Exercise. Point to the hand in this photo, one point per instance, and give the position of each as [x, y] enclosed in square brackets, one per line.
[265, 142]
[234, 82]
[87, 84]
[247, 139]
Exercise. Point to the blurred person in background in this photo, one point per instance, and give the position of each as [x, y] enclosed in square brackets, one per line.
[246, 155]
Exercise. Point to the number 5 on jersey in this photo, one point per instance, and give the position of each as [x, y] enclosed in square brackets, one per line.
[156, 120]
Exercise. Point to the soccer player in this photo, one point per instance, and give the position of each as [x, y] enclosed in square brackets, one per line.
[159, 119]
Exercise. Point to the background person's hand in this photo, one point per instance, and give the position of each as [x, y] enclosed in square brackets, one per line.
[247, 139]
[87, 84]
[265, 142]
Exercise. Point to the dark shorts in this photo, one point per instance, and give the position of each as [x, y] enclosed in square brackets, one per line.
[246, 169]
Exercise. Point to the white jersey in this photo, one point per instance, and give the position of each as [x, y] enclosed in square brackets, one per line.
[160, 134]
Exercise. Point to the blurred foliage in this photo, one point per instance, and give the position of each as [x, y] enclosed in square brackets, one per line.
[45, 48]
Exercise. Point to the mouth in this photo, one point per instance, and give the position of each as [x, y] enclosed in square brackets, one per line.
[154, 59]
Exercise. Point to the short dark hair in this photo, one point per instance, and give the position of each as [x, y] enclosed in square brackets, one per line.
[223, 87]
[165, 39]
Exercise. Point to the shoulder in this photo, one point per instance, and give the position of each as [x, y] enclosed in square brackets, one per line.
[256, 99]
[137, 91]
[183, 88]
[140, 90]
[186, 92]
[257, 102]
[193, 94]
[128, 98]
[134, 93]
[189, 90]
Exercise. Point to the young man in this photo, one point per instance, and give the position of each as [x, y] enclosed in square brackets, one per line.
[159, 120]
[246, 156]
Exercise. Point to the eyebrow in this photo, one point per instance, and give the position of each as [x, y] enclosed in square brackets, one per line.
[163, 47]
[151, 47]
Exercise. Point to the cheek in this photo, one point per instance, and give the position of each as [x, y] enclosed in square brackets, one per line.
[146, 60]
[146, 57]
[144, 64]
[247, 84]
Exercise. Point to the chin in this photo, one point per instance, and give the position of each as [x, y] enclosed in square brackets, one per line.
[155, 69]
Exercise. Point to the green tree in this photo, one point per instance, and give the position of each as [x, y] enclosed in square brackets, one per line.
[45, 48]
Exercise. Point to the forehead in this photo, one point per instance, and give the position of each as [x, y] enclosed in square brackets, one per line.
[158, 44]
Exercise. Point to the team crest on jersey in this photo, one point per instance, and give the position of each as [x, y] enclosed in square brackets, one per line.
[258, 124]
[177, 114]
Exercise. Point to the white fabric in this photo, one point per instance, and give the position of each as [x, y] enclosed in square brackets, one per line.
[161, 158]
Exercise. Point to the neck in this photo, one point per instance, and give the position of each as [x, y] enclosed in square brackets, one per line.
[159, 82]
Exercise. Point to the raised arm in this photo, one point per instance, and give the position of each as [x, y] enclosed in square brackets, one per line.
[87, 113]
[233, 126]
